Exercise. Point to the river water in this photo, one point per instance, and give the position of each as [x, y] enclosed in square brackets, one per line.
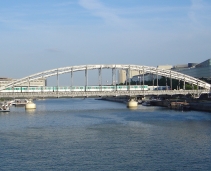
[89, 134]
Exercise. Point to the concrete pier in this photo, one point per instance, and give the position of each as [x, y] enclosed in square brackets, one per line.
[132, 103]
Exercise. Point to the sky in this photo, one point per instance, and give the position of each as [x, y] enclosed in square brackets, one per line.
[41, 35]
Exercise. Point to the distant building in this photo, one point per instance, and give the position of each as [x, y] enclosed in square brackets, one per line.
[35, 83]
[122, 75]
[4, 81]
[164, 66]
[197, 70]
[148, 76]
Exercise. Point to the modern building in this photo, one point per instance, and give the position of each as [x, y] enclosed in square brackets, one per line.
[197, 70]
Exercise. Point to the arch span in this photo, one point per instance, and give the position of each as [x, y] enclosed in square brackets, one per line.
[141, 68]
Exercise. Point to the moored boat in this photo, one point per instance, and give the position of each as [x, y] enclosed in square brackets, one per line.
[4, 108]
[20, 102]
[146, 103]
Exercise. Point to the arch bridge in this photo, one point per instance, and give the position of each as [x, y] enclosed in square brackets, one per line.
[140, 68]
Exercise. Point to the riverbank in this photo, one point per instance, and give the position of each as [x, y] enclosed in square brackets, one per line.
[176, 104]
[199, 105]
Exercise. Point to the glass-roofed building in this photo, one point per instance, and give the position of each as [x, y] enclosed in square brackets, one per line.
[197, 70]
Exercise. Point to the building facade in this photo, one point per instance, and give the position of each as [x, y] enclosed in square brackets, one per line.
[122, 75]
[35, 83]
[197, 70]
[148, 76]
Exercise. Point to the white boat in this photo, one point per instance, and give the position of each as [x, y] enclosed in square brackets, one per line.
[139, 101]
[4, 108]
[20, 102]
[146, 103]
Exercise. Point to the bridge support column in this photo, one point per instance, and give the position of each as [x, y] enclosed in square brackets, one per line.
[100, 77]
[30, 105]
[57, 83]
[132, 103]
[143, 81]
[129, 77]
[86, 78]
[71, 81]
[179, 85]
[157, 81]
[197, 88]
[126, 76]
[171, 81]
[13, 91]
[139, 78]
[113, 76]
[153, 81]
[28, 83]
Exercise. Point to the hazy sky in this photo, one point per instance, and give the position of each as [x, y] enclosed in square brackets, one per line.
[46, 34]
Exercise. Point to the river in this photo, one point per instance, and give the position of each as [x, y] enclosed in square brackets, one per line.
[92, 135]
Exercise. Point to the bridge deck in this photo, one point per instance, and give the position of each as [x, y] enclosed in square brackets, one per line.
[100, 93]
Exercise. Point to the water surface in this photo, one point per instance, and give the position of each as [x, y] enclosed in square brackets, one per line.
[89, 134]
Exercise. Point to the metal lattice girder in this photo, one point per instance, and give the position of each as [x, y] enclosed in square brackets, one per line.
[141, 68]
[102, 93]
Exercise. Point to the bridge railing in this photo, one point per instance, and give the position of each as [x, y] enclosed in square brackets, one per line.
[100, 93]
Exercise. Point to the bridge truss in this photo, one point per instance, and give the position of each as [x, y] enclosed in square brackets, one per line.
[142, 70]
[32, 95]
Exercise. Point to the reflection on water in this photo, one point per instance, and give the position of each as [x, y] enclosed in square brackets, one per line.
[30, 111]
[78, 134]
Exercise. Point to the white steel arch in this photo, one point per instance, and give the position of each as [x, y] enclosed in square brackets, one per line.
[141, 68]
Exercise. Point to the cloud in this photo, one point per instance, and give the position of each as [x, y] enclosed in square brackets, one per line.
[99, 10]
[199, 12]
